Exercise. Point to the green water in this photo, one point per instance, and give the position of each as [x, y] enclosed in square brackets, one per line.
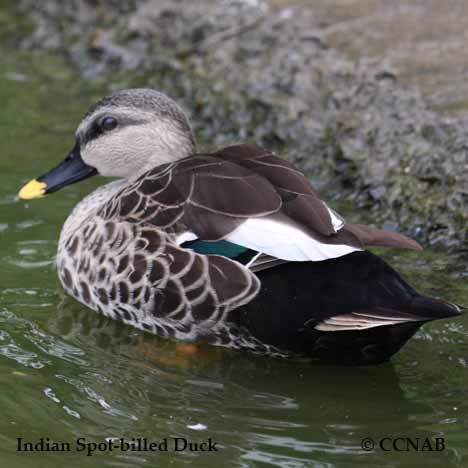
[66, 373]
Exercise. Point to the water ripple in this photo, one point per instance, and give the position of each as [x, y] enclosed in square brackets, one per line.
[11, 350]
[94, 396]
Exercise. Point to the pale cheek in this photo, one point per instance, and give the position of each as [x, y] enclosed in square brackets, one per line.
[92, 155]
[128, 152]
[110, 158]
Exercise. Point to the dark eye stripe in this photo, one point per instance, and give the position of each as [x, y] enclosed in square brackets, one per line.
[95, 130]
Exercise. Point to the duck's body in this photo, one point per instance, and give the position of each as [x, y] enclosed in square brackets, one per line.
[234, 248]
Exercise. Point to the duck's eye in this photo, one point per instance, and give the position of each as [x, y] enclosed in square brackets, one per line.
[108, 123]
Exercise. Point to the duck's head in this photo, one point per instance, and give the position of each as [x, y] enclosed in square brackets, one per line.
[122, 135]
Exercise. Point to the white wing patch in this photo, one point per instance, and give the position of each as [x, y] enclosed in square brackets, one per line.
[284, 241]
[185, 237]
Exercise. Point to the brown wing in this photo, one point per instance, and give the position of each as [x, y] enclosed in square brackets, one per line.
[301, 202]
[204, 194]
[213, 194]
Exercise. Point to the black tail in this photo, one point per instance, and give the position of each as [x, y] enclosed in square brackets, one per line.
[354, 309]
[429, 308]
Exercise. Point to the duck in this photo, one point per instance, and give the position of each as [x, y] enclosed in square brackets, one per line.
[234, 248]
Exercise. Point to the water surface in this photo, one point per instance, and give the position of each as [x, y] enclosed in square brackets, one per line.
[67, 373]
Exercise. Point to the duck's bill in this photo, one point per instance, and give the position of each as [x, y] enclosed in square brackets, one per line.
[71, 170]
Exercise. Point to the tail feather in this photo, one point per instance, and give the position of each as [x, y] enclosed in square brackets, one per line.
[431, 308]
[378, 237]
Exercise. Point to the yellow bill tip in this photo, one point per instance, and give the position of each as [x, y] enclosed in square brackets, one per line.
[33, 189]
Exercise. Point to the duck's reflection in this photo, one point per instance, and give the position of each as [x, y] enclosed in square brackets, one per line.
[330, 389]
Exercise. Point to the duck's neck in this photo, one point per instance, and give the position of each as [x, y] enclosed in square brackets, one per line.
[88, 207]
